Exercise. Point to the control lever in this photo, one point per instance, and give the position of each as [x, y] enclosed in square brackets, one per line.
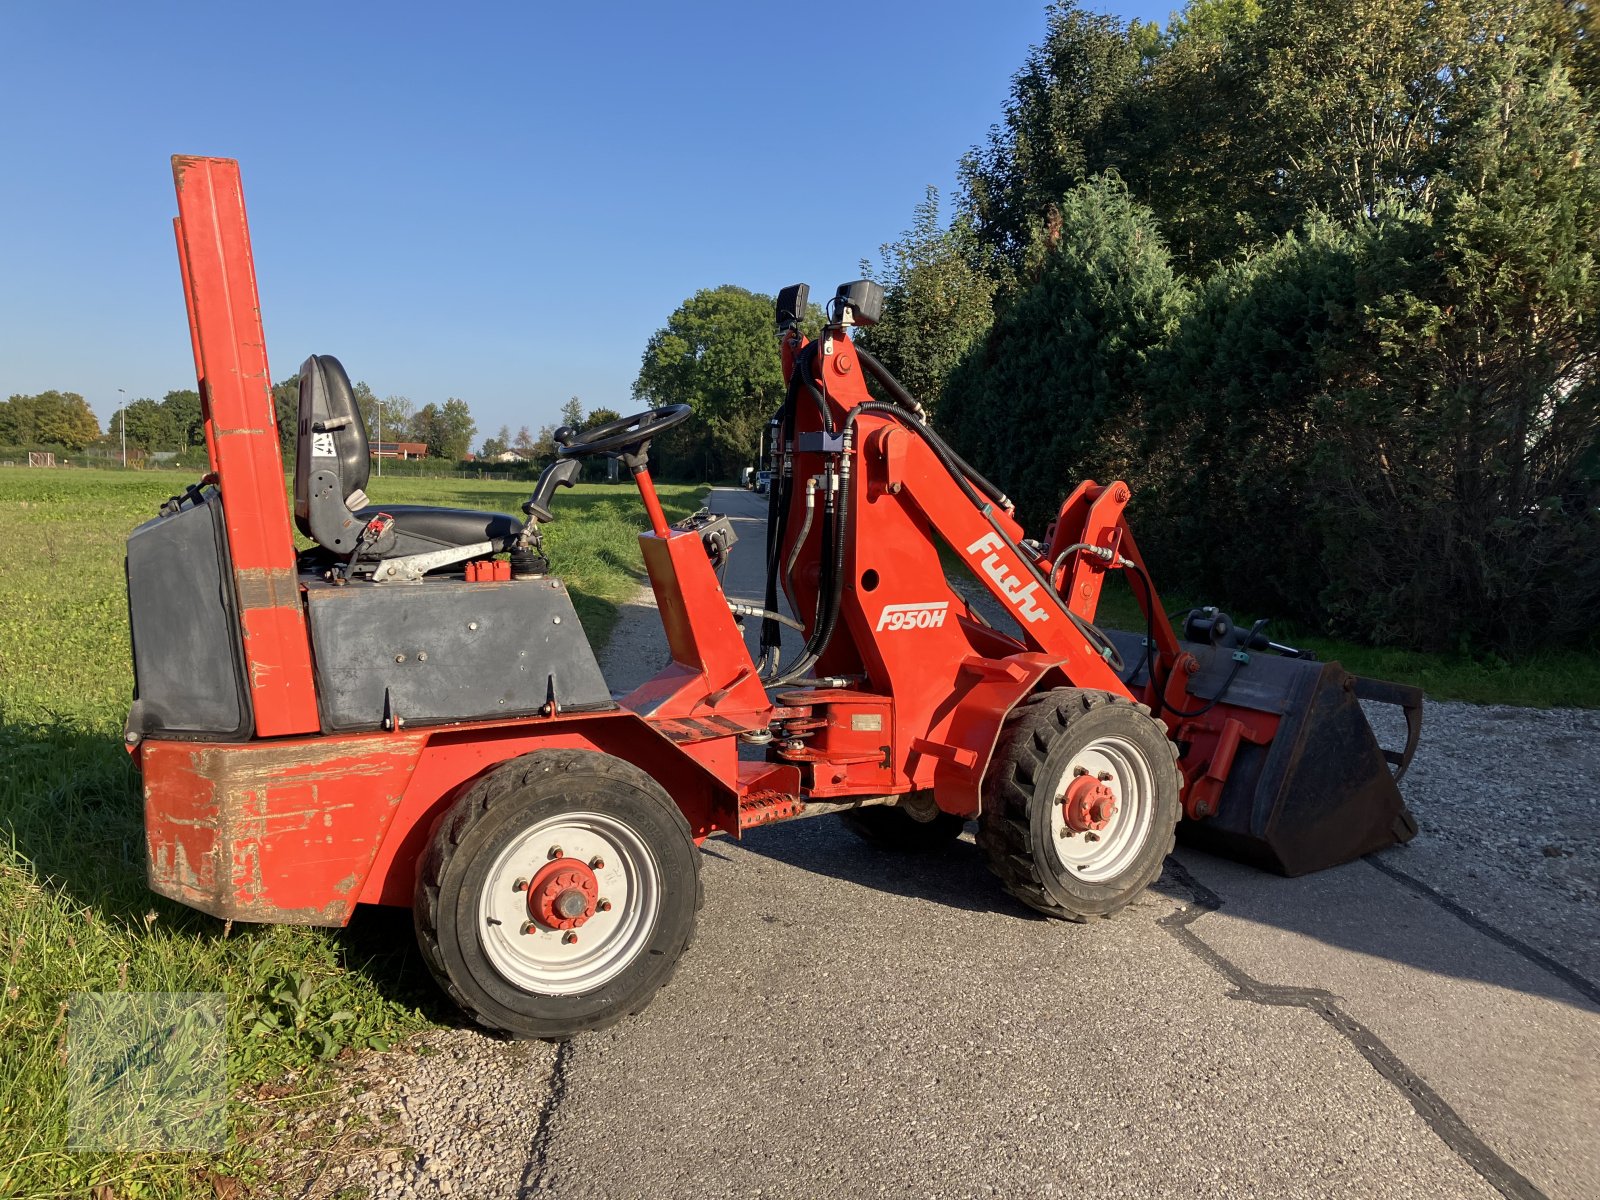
[561, 473]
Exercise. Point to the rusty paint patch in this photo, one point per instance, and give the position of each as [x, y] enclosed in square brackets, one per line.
[272, 831]
[267, 587]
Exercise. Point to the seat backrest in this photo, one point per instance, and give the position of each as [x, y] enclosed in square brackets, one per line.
[331, 461]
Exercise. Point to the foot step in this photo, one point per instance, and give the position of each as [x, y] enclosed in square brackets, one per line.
[765, 808]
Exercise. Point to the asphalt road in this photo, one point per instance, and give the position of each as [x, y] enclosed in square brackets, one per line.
[850, 1023]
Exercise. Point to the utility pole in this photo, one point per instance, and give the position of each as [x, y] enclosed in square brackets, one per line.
[122, 420]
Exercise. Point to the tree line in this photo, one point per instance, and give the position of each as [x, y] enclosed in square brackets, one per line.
[64, 422]
[1317, 277]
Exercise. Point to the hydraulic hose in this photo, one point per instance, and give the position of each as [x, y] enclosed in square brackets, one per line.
[778, 493]
[1149, 643]
[893, 386]
[912, 405]
[802, 372]
[805, 527]
[946, 457]
[830, 587]
[746, 608]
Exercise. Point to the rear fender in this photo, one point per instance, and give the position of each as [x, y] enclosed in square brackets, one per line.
[455, 758]
[298, 831]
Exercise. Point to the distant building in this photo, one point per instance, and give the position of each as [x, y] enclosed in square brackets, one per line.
[509, 456]
[398, 449]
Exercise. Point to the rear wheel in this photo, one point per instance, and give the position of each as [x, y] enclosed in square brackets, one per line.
[557, 894]
[1080, 803]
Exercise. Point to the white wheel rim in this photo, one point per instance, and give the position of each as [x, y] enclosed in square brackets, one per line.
[543, 960]
[1098, 855]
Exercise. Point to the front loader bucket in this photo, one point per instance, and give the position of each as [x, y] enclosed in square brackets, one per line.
[1321, 791]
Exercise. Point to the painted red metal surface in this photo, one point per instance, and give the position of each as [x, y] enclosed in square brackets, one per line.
[1088, 805]
[652, 503]
[711, 674]
[903, 626]
[1091, 517]
[563, 894]
[242, 439]
[301, 829]
[272, 831]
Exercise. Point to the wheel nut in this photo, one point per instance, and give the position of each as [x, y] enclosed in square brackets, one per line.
[1104, 777]
[1077, 771]
[520, 885]
[1091, 836]
[603, 906]
[555, 851]
[529, 927]
[597, 864]
[568, 938]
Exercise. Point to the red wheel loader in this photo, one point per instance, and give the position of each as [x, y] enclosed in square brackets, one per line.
[408, 712]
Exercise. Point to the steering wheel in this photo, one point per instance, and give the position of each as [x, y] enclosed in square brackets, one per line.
[622, 435]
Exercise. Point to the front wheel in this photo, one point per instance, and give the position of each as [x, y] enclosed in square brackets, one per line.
[557, 894]
[1080, 802]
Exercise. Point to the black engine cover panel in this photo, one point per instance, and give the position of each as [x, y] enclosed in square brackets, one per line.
[445, 650]
[188, 664]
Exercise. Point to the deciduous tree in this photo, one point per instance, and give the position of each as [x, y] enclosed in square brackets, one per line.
[48, 419]
[717, 353]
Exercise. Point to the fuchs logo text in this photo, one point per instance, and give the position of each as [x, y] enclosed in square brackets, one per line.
[1010, 586]
[913, 616]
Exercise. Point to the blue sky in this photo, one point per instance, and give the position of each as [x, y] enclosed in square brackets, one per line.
[494, 201]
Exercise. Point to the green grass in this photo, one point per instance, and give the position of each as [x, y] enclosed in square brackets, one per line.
[79, 917]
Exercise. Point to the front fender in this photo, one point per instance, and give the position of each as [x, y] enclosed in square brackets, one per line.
[975, 725]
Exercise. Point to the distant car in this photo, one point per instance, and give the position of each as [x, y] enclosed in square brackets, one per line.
[763, 482]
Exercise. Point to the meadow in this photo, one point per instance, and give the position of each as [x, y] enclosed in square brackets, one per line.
[72, 851]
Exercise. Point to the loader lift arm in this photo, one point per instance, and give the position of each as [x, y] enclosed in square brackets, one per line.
[1253, 728]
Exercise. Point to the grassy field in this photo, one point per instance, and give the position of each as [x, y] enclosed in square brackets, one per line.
[72, 854]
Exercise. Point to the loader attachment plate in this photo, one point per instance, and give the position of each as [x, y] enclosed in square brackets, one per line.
[1308, 786]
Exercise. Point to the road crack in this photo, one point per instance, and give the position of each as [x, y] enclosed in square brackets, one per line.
[1445, 1122]
[536, 1175]
[1466, 916]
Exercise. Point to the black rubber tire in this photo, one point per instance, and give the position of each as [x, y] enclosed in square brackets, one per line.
[464, 845]
[1020, 808]
[890, 827]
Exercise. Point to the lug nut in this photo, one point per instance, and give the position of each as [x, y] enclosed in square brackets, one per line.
[603, 906]
[555, 852]
[529, 927]
[1091, 836]
[520, 885]
[1104, 777]
[569, 938]
[1077, 771]
[597, 864]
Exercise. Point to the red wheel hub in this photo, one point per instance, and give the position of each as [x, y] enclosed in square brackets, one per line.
[1088, 805]
[563, 894]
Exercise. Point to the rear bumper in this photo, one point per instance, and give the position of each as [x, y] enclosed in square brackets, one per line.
[277, 832]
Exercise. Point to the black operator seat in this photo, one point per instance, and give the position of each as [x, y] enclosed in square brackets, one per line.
[332, 462]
